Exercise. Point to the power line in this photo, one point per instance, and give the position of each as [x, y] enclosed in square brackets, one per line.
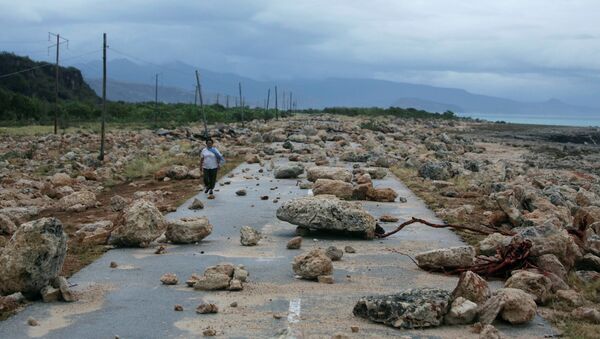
[147, 62]
[23, 71]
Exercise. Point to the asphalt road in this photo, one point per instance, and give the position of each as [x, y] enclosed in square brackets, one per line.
[130, 301]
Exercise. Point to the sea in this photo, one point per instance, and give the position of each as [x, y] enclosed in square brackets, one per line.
[571, 120]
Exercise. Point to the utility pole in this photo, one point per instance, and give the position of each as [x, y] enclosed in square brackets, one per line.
[290, 101]
[201, 104]
[156, 99]
[241, 102]
[267, 106]
[196, 96]
[276, 112]
[217, 98]
[101, 156]
[227, 101]
[58, 38]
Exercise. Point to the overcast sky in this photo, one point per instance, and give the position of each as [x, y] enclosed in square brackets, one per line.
[527, 50]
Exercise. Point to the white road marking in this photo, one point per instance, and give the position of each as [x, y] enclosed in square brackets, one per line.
[294, 311]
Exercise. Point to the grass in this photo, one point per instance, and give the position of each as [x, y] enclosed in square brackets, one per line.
[430, 195]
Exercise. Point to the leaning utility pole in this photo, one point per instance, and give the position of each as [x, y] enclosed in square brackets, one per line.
[267, 105]
[241, 102]
[58, 38]
[101, 156]
[201, 104]
[276, 112]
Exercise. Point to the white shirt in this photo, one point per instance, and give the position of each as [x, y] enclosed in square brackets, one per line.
[210, 159]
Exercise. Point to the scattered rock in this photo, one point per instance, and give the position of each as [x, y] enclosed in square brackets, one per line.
[161, 250]
[462, 311]
[325, 279]
[354, 329]
[207, 308]
[178, 308]
[33, 256]
[169, 279]
[209, 332]
[388, 218]
[65, 291]
[349, 249]
[569, 297]
[587, 313]
[188, 230]
[446, 258]
[381, 194]
[339, 188]
[118, 203]
[327, 213]
[334, 253]
[332, 173]
[288, 172]
[113, 264]
[513, 305]
[489, 332]
[249, 236]
[312, 264]
[196, 204]
[50, 294]
[32, 322]
[216, 281]
[538, 285]
[294, 243]
[413, 308]
[472, 287]
[142, 223]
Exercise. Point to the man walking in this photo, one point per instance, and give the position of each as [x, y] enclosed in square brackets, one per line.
[210, 162]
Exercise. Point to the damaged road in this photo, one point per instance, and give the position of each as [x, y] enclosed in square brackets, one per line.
[130, 301]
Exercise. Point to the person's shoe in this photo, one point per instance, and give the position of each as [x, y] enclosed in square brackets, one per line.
[206, 190]
[210, 192]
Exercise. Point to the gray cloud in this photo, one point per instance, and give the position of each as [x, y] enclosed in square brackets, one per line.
[531, 50]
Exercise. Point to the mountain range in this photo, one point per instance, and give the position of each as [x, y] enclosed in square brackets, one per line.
[131, 81]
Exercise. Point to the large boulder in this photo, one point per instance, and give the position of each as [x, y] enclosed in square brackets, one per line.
[462, 311]
[188, 230]
[33, 256]
[413, 308]
[312, 264]
[288, 172]
[249, 236]
[381, 194]
[538, 285]
[178, 172]
[550, 239]
[513, 305]
[435, 171]
[78, 200]
[142, 222]
[472, 287]
[339, 188]
[326, 212]
[324, 172]
[446, 258]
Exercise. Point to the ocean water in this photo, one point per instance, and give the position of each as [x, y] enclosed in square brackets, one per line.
[572, 120]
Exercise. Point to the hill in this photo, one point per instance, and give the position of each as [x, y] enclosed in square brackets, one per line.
[331, 92]
[30, 95]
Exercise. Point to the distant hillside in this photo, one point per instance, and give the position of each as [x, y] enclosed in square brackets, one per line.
[133, 92]
[40, 82]
[319, 93]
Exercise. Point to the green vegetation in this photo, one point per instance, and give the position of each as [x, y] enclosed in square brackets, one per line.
[28, 99]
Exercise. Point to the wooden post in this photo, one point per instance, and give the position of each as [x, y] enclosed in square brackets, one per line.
[56, 86]
[290, 101]
[102, 128]
[267, 106]
[241, 102]
[156, 99]
[276, 112]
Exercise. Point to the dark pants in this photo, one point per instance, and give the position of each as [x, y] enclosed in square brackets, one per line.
[210, 178]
